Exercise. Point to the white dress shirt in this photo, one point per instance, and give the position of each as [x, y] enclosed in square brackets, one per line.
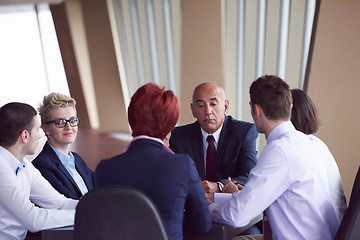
[335, 184]
[291, 182]
[19, 192]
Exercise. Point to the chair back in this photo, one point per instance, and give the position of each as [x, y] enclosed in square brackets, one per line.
[349, 228]
[118, 212]
[356, 186]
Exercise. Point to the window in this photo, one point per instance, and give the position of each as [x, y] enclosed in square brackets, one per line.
[30, 60]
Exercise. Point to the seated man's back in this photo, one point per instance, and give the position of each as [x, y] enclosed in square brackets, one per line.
[291, 181]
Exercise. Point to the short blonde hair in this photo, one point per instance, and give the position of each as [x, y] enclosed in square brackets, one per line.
[54, 101]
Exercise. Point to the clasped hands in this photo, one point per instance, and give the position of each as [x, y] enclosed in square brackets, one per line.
[212, 187]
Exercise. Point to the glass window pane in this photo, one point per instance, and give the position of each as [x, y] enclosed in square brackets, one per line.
[24, 76]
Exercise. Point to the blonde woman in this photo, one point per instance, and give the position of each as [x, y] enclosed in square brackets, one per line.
[65, 170]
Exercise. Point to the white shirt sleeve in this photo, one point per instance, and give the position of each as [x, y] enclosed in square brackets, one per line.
[44, 195]
[266, 183]
[221, 198]
[17, 207]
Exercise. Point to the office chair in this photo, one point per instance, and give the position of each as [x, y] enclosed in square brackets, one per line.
[356, 186]
[118, 212]
[221, 231]
[349, 228]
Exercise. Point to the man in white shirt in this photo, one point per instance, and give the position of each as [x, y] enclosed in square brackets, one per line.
[21, 184]
[290, 181]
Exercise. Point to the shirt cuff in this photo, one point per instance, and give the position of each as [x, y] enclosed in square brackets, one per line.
[220, 198]
[213, 206]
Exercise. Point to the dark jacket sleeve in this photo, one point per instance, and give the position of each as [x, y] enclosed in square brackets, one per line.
[197, 215]
[236, 152]
[247, 158]
[173, 141]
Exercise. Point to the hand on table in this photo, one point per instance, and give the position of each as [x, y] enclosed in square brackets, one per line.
[210, 197]
[210, 187]
[231, 186]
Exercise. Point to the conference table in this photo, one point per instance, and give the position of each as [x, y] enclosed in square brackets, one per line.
[62, 233]
[218, 232]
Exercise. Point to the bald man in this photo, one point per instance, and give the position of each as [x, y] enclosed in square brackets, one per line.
[234, 141]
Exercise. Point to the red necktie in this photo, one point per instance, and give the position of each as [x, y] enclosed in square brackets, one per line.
[210, 160]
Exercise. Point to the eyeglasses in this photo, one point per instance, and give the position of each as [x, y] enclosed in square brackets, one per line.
[61, 123]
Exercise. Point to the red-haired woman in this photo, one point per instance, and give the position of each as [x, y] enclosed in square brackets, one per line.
[170, 180]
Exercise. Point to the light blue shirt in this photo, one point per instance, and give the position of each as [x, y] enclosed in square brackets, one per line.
[69, 163]
[290, 182]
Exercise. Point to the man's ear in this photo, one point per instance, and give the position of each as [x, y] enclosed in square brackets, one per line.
[226, 106]
[24, 136]
[192, 107]
[258, 111]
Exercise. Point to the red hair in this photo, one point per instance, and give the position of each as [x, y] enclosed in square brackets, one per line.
[153, 111]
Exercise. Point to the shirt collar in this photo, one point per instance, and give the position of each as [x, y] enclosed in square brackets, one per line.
[64, 158]
[21, 165]
[215, 134]
[13, 161]
[150, 138]
[279, 130]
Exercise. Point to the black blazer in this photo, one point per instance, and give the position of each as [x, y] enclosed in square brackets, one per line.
[170, 180]
[54, 171]
[236, 153]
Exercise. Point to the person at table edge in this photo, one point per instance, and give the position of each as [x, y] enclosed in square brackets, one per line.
[21, 184]
[235, 141]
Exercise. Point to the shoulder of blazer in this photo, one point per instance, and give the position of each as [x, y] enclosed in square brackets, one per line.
[189, 129]
[78, 158]
[231, 123]
[45, 157]
[235, 129]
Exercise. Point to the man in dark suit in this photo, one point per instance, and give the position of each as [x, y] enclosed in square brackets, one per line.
[235, 141]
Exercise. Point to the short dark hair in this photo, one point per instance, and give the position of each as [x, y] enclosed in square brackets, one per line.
[273, 95]
[304, 115]
[153, 111]
[14, 118]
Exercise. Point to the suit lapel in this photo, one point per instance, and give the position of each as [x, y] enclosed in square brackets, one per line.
[61, 167]
[197, 150]
[223, 140]
[82, 173]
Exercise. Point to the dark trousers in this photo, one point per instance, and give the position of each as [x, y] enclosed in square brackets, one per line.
[33, 236]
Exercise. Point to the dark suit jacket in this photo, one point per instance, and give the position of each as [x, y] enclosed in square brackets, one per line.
[54, 171]
[236, 152]
[170, 180]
